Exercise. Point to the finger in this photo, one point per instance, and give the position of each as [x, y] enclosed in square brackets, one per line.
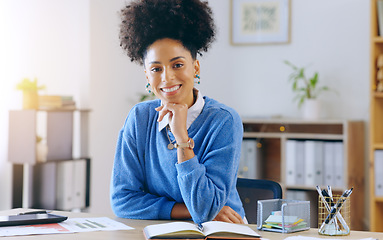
[223, 219]
[162, 114]
[159, 108]
[238, 218]
[233, 215]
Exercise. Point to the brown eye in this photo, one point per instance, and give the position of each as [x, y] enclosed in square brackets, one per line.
[155, 69]
[178, 65]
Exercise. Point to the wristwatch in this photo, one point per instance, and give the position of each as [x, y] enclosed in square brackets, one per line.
[188, 144]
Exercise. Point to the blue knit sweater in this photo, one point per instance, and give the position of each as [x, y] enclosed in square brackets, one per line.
[147, 180]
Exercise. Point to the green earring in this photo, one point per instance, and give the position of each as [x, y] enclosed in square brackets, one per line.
[147, 88]
[198, 78]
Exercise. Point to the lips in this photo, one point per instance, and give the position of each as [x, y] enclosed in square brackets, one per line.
[171, 89]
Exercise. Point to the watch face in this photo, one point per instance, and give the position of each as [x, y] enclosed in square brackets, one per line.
[191, 143]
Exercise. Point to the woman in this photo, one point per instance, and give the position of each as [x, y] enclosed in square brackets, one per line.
[177, 157]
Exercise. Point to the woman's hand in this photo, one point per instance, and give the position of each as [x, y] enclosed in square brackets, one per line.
[227, 214]
[177, 119]
[177, 122]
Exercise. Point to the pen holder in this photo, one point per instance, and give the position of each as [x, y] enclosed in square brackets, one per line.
[334, 224]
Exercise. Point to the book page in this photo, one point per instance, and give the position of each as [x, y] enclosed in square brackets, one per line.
[213, 227]
[181, 229]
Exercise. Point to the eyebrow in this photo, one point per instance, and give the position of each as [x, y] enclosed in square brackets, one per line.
[171, 60]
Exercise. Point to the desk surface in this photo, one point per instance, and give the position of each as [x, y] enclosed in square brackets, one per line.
[138, 225]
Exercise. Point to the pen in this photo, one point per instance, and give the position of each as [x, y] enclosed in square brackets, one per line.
[325, 202]
[200, 227]
[330, 194]
[338, 205]
[35, 212]
[327, 197]
[330, 202]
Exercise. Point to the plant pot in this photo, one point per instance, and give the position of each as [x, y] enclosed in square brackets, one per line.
[30, 99]
[311, 109]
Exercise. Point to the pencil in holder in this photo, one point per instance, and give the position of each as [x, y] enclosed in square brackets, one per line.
[334, 222]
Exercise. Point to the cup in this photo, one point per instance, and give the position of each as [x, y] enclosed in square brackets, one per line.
[334, 224]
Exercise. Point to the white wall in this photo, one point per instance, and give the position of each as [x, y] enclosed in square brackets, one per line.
[44, 39]
[332, 37]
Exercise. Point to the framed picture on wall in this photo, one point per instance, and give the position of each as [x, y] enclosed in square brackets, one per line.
[260, 21]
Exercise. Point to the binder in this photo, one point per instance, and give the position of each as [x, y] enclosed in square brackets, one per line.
[45, 185]
[328, 160]
[79, 188]
[65, 183]
[314, 163]
[380, 16]
[378, 171]
[250, 163]
[291, 149]
[300, 163]
[339, 166]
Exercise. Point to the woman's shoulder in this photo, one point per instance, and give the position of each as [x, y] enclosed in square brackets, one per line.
[142, 112]
[218, 109]
[145, 107]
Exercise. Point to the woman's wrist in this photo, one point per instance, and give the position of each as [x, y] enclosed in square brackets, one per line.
[182, 138]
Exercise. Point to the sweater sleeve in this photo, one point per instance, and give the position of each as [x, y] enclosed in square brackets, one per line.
[129, 198]
[205, 183]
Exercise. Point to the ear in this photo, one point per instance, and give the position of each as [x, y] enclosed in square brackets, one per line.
[196, 67]
[146, 75]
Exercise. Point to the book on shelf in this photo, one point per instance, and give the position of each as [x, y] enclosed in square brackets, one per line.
[209, 230]
[48, 102]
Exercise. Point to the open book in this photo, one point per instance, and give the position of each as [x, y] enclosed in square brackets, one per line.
[210, 230]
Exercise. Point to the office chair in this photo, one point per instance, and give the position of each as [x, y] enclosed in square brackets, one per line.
[252, 190]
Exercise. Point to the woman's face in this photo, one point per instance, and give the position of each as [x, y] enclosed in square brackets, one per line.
[170, 70]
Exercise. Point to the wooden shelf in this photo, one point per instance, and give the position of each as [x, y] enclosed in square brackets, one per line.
[377, 39]
[376, 119]
[273, 135]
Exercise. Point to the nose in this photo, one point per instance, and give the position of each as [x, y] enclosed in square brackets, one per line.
[168, 75]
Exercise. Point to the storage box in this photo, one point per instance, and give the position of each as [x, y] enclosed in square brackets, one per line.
[285, 216]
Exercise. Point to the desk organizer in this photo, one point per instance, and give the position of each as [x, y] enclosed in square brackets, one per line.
[285, 216]
[340, 222]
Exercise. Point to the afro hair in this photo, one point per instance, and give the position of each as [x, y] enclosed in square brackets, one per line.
[146, 21]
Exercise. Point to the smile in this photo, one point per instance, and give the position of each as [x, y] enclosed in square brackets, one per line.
[172, 89]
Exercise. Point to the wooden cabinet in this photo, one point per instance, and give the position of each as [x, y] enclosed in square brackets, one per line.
[376, 121]
[272, 136]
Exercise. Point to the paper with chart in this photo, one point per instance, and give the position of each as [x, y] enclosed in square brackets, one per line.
[93, 224]
[71, 225]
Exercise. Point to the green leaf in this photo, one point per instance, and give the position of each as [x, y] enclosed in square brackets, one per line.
[304, 88]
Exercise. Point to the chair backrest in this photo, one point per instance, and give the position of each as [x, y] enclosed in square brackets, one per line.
[252, 190]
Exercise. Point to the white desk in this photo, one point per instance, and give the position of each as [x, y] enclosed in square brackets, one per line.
[138, 225]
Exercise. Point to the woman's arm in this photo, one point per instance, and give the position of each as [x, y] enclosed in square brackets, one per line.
[206, 183]
[128, 196]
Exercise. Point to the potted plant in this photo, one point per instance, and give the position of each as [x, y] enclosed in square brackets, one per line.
[30, 96]
[306, 90]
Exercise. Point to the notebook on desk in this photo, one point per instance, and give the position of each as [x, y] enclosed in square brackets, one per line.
[29, 219]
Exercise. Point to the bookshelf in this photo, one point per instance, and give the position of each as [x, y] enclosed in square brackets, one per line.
[272, 136]
[376, 119]
[49, 152]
